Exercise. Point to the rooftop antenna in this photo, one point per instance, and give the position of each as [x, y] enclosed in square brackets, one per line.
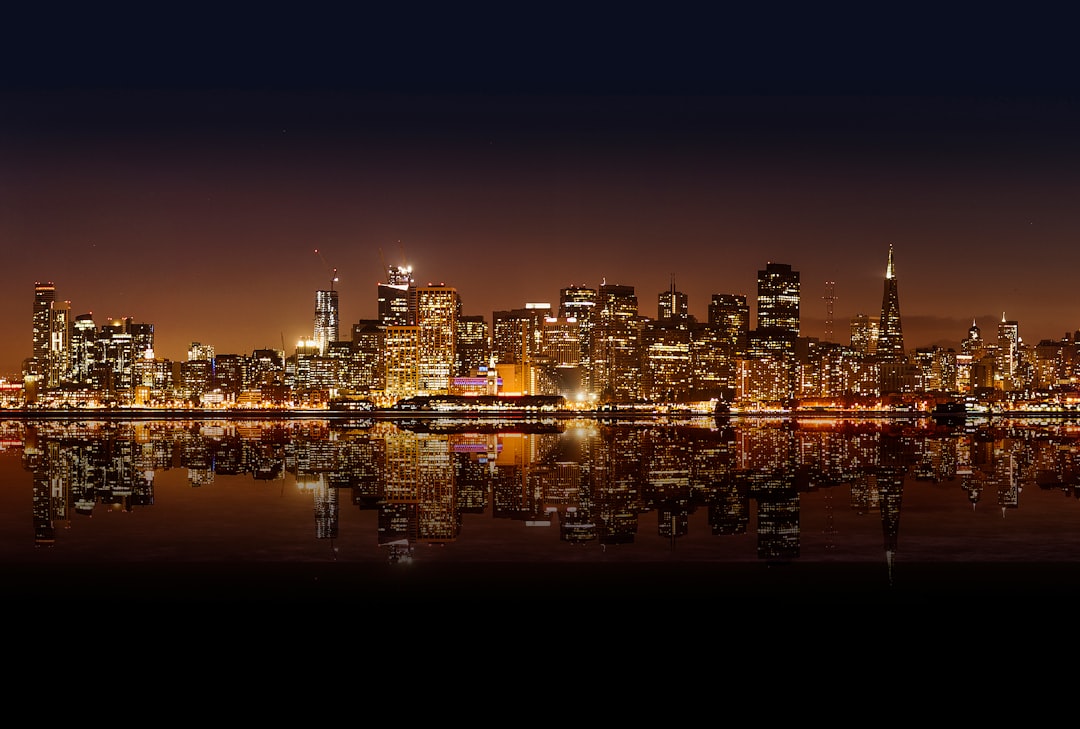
[331, 271]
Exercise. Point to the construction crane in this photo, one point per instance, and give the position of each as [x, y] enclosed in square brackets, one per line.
[331, 271]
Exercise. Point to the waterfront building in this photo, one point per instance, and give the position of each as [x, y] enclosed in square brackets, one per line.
[579, 303]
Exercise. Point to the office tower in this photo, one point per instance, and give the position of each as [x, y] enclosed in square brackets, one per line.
[326, 319]
[58, 358]
[516, 333]
[473, 348]
[890, 342]
[778, 299]
[436, 314]
[197, 350]
[729, 315]
[864, 333]
[666, 371]
[973, 344]
[579, 303]
[44, 296]
[1008, 347]
[83, 336]
[616, 344]
[367, 344]
[401, 356]
[394, 296]
[672, 305]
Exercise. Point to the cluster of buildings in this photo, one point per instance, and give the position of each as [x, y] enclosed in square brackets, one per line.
[595, 347]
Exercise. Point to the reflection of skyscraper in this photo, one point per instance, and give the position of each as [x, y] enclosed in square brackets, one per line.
[890, 342]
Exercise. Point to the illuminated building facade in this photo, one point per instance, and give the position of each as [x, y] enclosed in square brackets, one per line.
[778, 300]
[367, 345]
[327, 319]
[674, 306]
[44, 296]
[890, 340]
[579, 303]
[401, 353]
[729, 315]
[473, 349]
[58, 358]
[436, 319]
[864, 333]
[393, 301]
[1008, 340]
[616, 344]
[665, 347]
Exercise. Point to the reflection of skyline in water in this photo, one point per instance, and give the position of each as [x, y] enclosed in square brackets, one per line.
[598, 484]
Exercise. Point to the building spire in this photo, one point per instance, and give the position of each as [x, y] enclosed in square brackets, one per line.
[889, 269]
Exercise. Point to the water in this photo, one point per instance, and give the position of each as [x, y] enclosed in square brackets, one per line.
[677, 512]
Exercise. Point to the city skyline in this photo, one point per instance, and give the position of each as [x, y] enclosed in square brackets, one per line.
[194, 197]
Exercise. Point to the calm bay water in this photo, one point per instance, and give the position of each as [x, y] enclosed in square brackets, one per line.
[356, 510]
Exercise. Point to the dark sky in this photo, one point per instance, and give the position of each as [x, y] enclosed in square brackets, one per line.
[186, 174]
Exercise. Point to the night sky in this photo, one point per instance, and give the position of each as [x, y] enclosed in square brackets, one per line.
[187, 179]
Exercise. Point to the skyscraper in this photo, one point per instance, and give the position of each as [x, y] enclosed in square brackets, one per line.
[673, 306]
[778, 298]
[326, 319]
[437, 308]
[394, 296]
[44, 296]
[890, 343]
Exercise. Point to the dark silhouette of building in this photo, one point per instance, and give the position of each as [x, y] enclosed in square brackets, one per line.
[890, 343]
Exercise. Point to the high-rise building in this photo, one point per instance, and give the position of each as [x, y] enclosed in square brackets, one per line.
[326, 319]
[890, 342]
[1008, 347]
[864, 333]
[437, 309]
[729, 315]
[58, 358]
[579, 303]
[778, 299]
[473, 348]
[674, 306]
[44, 296]
[616, 344]
[394, 296]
